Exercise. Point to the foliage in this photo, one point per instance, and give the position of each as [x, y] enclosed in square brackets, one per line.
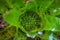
[30, 17]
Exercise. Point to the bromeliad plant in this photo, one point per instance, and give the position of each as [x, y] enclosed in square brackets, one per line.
[29, 17]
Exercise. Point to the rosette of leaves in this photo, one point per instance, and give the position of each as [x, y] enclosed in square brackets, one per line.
[13, 17]
[30, 21]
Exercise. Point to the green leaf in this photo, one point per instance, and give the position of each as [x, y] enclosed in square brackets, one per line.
[49, 22]
[58, 24]
[18, 3]
[55, 8]
[44, 4]
[3, 5]
[12, 17]
[31, 6]
[20, 36]
[46, 35]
